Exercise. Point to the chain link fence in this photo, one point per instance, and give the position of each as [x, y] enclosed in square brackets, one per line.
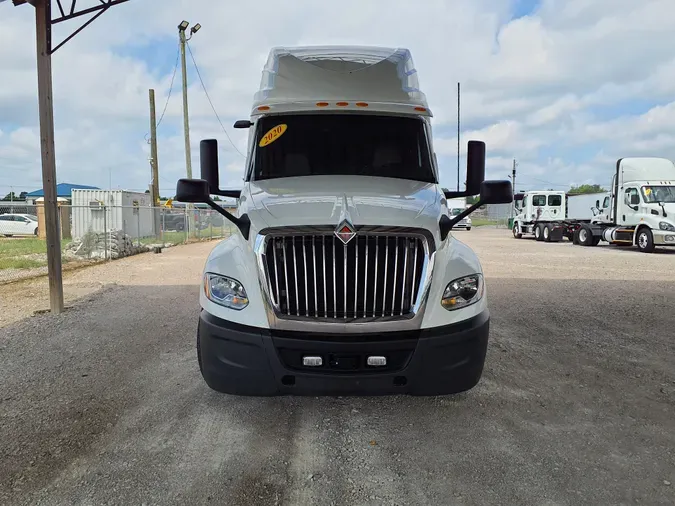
[495, 215]
[97, 233]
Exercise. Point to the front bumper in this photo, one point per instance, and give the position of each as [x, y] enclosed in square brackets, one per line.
[243, 360]
[663, 238]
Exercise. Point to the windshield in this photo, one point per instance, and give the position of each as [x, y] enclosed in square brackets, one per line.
[455, 212]
[342, 144]
[653, 194]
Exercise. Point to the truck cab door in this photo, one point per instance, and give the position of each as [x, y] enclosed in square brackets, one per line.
[629, 210]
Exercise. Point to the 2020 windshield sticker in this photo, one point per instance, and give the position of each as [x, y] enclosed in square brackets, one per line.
[272, 135]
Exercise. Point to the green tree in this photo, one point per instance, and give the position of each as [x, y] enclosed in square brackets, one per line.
[10, 196]
[472, 200]
[586, 188]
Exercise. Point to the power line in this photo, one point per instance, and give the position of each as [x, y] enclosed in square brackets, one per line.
[166, 105]
[210, 102]
[175, 68]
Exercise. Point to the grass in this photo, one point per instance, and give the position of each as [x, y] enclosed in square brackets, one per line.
[22, 246]
[20, 263]
[481, 222]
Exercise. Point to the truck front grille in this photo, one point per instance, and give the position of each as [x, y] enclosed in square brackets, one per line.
[317, 276]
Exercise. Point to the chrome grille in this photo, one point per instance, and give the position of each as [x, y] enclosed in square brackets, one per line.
[317, 276]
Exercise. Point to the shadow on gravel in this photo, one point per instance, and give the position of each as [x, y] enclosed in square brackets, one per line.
[576, 405]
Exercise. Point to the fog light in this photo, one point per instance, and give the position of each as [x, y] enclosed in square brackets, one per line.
[312, 361]
[670, 238]
[376, 361]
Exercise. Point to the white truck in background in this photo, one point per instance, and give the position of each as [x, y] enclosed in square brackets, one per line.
[586, 206]
[344, 275]
[638, 211]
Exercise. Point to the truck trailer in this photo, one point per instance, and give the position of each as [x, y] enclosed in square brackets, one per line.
[344, 275]
[639, 210]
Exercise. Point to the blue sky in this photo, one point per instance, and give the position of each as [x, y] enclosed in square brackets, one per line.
[565, 87]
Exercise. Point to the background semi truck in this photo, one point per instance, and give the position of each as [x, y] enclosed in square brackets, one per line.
[638, 211]
[344, 275]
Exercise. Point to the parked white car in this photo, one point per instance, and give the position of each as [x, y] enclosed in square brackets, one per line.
[465, 223]
[18, 224]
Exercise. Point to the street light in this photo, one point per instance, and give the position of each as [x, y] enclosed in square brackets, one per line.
[186, 123]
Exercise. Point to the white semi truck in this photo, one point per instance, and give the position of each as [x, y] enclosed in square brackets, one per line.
[343, 276]
[638, 211]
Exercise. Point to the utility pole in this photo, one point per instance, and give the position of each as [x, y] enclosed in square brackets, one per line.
[513, 183]
[182, 27]
[46, 111]
[458, 124]
[186, 120]
[43, 27]
[154, 163]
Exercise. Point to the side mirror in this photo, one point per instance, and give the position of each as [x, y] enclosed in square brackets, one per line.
[491, 192]
[192, 190]
[475, 167]
[243, 123]
[197, 190]
[208, 160]
[496, 192]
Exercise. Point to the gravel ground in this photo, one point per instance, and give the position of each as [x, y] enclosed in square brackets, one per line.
[105, 405]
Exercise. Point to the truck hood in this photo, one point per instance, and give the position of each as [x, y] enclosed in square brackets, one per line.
[326, 200]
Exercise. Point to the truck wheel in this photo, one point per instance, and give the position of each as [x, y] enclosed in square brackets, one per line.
[596, 240]
[180, 226]
[575, 237]
[585, 235]
[516, 232]
[538, 235]
[547, 233]
[645, 240]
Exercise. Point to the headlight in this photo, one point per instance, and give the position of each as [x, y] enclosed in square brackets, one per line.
[463, 292]
[225, 291]
[666, 226]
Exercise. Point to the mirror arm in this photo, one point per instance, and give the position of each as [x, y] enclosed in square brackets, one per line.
[243, 223]
[454, 195]
[454, 221]
[235, 194]
[446, 224]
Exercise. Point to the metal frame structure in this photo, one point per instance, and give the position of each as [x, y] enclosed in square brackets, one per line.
[44, 21]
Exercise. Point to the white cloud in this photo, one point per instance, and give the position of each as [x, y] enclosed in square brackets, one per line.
[550, 89]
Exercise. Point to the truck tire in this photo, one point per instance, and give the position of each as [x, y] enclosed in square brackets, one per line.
[538, 232]
[596, 240]
[180, 226]
[516, 232]
[585, 235]
[645, 240]
[547, 233]
[575, 237]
